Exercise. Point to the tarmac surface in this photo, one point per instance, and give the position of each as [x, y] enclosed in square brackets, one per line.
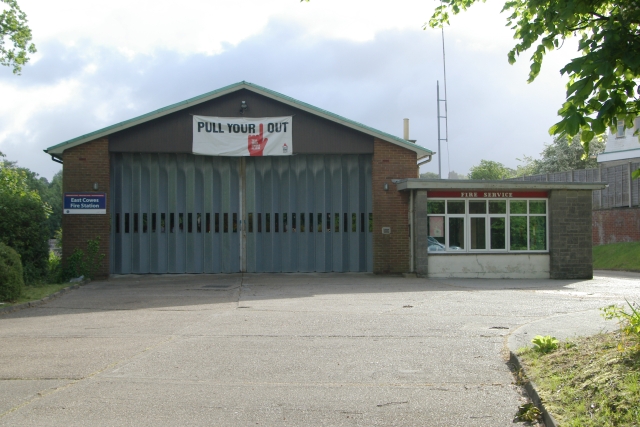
[287, 349]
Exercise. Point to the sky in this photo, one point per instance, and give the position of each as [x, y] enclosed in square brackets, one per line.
[370, 62]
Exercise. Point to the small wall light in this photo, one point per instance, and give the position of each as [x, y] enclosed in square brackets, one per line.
[95, 185]
[385, 187]
[243, 107]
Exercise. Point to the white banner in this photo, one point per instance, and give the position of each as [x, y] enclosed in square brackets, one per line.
[240, 136]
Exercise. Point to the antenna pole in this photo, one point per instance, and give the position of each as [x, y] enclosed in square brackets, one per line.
[445, 116]
[439, 139]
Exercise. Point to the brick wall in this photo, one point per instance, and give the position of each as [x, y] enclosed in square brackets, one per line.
[421, 233]
[570, 238]
[391, 208]
[616, 225]
[83, 166]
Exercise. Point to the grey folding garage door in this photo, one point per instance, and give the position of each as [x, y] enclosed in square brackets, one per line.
[199, 214]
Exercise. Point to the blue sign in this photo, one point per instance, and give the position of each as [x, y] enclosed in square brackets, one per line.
[85, 203]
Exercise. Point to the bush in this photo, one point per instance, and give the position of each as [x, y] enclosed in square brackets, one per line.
[23, 226]
[81, 264]
[11, 281]
[55, 269]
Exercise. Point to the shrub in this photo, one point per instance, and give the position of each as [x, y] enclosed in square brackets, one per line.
[83, 264]
[55, 269]
[23, 226]
[11, 281]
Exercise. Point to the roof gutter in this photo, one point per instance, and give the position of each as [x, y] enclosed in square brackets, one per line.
[429, 158]
[54, 157]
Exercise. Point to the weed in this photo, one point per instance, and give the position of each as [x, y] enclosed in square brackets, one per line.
[544, 344]
[528, 412]
[629, 322]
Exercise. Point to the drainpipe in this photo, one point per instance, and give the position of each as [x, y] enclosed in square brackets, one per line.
[411, 244]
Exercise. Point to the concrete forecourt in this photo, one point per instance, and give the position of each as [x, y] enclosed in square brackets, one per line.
[286, 349]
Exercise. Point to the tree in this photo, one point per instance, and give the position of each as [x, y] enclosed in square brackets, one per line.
[15, 37]
[561, 156]
[429, 175]
[455, 175]
[488, 169]
[603, 80]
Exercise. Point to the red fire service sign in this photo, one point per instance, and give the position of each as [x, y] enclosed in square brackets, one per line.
[488, 194]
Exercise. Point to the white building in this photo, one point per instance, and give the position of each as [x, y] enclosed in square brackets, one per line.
[622, 147]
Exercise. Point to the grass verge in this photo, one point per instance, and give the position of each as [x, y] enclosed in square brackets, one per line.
[587, 382]
[617, 256]
[34, 293]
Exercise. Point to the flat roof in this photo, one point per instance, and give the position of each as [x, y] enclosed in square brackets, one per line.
[474, 184]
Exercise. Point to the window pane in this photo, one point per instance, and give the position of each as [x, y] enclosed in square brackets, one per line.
[498, 240]
[199, 222]
[478, 239]
[518, 206]
[497, 206]
[538, 233]
[217, 223]
[477, 207]
[153, 222]
[293, 222]
[538, 206]
[190, 222]
[235, 223]
[276, 223]
[456, 234]
[353, 223]
[135, 222]
[336, 223]
[162, 222]
[225, 223]
[302, 224]
[144, 223]
[435, 207]
[455, 207]
[181, 221]
[436, 238]
[267, 223]
[518, 233]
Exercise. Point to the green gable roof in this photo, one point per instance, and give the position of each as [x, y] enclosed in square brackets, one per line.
[59, 148]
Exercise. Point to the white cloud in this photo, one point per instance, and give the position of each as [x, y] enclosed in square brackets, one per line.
[205, 26]
[371, 64]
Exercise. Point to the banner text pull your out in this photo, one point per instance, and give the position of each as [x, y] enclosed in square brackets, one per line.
[244, 136]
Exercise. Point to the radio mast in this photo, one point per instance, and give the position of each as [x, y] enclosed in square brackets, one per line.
[441, 117]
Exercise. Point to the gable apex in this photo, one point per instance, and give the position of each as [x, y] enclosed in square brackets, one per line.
[57, 150]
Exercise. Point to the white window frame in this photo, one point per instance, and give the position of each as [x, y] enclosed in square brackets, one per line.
[507, 217]
[620, 130]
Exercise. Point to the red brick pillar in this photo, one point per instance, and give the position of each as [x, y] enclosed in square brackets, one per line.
[391, 208]
[83, 166]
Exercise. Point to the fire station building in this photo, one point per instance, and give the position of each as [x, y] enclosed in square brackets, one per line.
[244, 179]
